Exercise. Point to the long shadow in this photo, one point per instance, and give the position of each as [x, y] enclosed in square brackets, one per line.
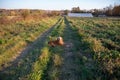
[22, 65]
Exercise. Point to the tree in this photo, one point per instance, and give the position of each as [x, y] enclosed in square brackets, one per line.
[116, 11]
[109, 10]
[66, 12]
[95, 12]
[75, 10]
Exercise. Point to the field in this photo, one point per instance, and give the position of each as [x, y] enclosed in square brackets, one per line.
[91, 50]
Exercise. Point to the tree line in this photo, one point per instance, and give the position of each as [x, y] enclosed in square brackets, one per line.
[108, 11]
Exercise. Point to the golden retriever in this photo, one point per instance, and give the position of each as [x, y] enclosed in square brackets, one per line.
[58, 42]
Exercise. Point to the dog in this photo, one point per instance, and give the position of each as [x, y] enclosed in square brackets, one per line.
[58, 42]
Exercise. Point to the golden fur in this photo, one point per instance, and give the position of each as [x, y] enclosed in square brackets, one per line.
[59, 41]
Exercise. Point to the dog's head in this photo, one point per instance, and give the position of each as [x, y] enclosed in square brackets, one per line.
[58, 41]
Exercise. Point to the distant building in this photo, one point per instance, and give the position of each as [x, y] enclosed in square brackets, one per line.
[80, 15]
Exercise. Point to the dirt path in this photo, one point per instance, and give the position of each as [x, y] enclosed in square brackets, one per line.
[69, 66]
[22, 64]
[76, 65]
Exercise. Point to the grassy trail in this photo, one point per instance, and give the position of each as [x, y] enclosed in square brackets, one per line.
[22, 65]
[68, 62]
[76, 65]
[68, 67]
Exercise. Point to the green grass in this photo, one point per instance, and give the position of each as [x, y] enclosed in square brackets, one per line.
[99, 37]
[15, 37]
[56, 59]
[94, 44]
[23, 67]
[40, 65]
[49, 58]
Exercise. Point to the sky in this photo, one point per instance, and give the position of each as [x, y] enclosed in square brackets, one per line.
[56, 4]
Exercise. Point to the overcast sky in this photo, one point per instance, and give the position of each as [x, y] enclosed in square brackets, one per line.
[56, 4]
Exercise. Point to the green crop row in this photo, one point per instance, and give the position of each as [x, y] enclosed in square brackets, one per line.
[100, 38]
